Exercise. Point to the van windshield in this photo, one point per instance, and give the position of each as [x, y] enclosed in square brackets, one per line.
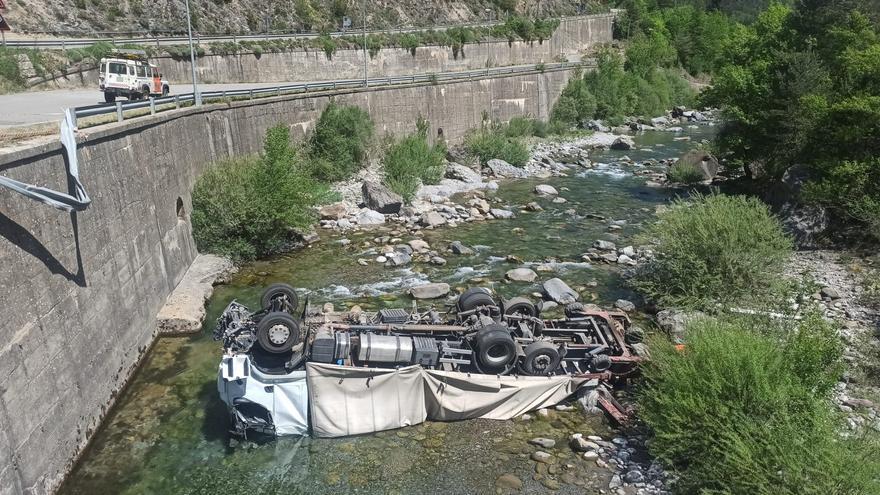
[116, 68]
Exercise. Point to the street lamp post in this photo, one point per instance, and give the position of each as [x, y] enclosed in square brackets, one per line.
[192, 58]
[364, 6]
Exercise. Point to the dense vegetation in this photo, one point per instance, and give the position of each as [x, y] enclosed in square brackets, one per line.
[712, 249]
[248, 207]
[411, 162]
[800, 86]
[338, 145]
[746, 408]
[490, 141]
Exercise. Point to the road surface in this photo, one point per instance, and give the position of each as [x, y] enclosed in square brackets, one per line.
[47, 106]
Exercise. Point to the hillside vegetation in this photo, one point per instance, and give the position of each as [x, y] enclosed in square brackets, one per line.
[244, 16]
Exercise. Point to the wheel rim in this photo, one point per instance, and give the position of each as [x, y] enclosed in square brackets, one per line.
[541, 363]
[278, 334]
[497, 355]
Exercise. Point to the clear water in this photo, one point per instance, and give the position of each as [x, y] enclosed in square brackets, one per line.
[167, 433]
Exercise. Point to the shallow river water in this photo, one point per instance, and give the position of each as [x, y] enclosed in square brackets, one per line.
[167, 432]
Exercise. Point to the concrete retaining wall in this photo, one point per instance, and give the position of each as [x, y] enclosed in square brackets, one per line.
[81, 292]
[573, 36]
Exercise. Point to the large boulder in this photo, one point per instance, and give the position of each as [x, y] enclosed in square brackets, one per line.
[501, 213]
[546, 190]
[558, 291]
[336, 211]
[500, 168]
[674, 322]
[433, 219]
[521, 275]
[380, 198]
[430, 291]
[703, 161]
[623, 143]
[462, 173]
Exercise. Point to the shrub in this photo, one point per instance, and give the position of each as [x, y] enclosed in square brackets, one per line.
[341, 139]
[487, 144]
[247, 208]
[518, 127]
[745, 408]
[684, 173]
[328, 44]
[411, 162]
[713, 248]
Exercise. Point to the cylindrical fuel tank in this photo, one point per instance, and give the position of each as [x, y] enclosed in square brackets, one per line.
[385, 348]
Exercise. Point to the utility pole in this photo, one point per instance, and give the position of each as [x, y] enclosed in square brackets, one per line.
[197, 96]
[364, 6]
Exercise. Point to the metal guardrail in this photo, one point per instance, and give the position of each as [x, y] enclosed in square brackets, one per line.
[154, 104]
[64, 44]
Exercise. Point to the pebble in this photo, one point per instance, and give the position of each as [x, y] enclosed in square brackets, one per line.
[547, 443]
[542, 457]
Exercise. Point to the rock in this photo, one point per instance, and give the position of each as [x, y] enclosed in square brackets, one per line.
[829, 293]
[344, 224]
[419, 245]
[363, 262]
[543, 412]
[558, 291]
[546, 190]
[380, 198]
[437, 260]
[581, 444]
[370, 217]
[659, 121]
[702, 161]
[521, 275]
[534, 207]
[674, 323]
[381, 259]
[336, 211]
[615, 482]
[398, 259]
[546, 443]
[184, 310]
[605, 245]
[629, 251]
[550, 483]
[433, 219]
[858, 403]
[624, 305]
[548, 305]
[500, 168]
[508, 482]
[503, 214]
[458, 248]
[634, 477]
[430, 291]
[559, 200]
[542, 457]
[591, 455]
[462, 173]
[625, 260]
[623, 143]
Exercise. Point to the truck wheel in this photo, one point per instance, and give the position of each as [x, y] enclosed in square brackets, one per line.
[495, 347]
[541, 359]
[277, 332]
[519, 305]
[165, 91]
[473, 298]
[109, 97]
[279, 292]
[145, 92]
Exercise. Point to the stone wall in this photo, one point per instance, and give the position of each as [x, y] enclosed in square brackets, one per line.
[81, 291]
[573, 36]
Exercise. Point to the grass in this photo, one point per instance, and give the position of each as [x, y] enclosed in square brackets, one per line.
[745, 408]
[490, 142]
[713, 249]
[684, 173]
[412, 162]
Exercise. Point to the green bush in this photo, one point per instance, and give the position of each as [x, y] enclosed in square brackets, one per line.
[248, 208]
[328, 44]
[487, 143]
[712, 249]
[684, 173]
[745, 408]
[340, 142]
[9, 67]
[411, 162]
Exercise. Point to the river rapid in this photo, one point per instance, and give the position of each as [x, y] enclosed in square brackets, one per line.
[167, 433]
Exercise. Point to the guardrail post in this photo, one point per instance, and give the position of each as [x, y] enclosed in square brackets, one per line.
[251, 94]
[152, 106]
[278, 91]
[177, 101]
[119, 111]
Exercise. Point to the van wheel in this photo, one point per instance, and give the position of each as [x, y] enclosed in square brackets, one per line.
[277, 332]
[109, 97]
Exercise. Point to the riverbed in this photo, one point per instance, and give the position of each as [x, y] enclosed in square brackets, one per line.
[167, 432]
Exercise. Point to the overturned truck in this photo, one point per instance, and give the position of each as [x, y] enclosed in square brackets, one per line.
[287, 371]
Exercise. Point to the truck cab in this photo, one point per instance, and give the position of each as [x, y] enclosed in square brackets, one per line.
[128, 73]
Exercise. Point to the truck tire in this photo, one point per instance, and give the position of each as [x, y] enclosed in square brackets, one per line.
[277, 332]
[519, 305]
[473, 298]
[279, 291]
[495, 347]
[165, 91]
[109, 97]
[541, 359]
[145, 92]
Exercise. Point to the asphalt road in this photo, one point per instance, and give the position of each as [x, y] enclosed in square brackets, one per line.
[47, 106]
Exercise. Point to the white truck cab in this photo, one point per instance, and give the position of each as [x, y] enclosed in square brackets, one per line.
[128, 73]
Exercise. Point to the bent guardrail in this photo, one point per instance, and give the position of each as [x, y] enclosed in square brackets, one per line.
[157, 105]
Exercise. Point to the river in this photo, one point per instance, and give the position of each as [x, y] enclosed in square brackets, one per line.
[167, 432]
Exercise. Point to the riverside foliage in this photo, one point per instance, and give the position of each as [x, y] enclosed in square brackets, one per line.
[411, 162]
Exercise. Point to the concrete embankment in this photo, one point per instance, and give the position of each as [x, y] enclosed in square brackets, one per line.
[81, 291]
[573, 36]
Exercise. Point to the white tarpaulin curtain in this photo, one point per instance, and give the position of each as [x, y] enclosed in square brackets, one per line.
[353, 401]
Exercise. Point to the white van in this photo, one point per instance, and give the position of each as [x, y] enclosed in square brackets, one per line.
[129, 74]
